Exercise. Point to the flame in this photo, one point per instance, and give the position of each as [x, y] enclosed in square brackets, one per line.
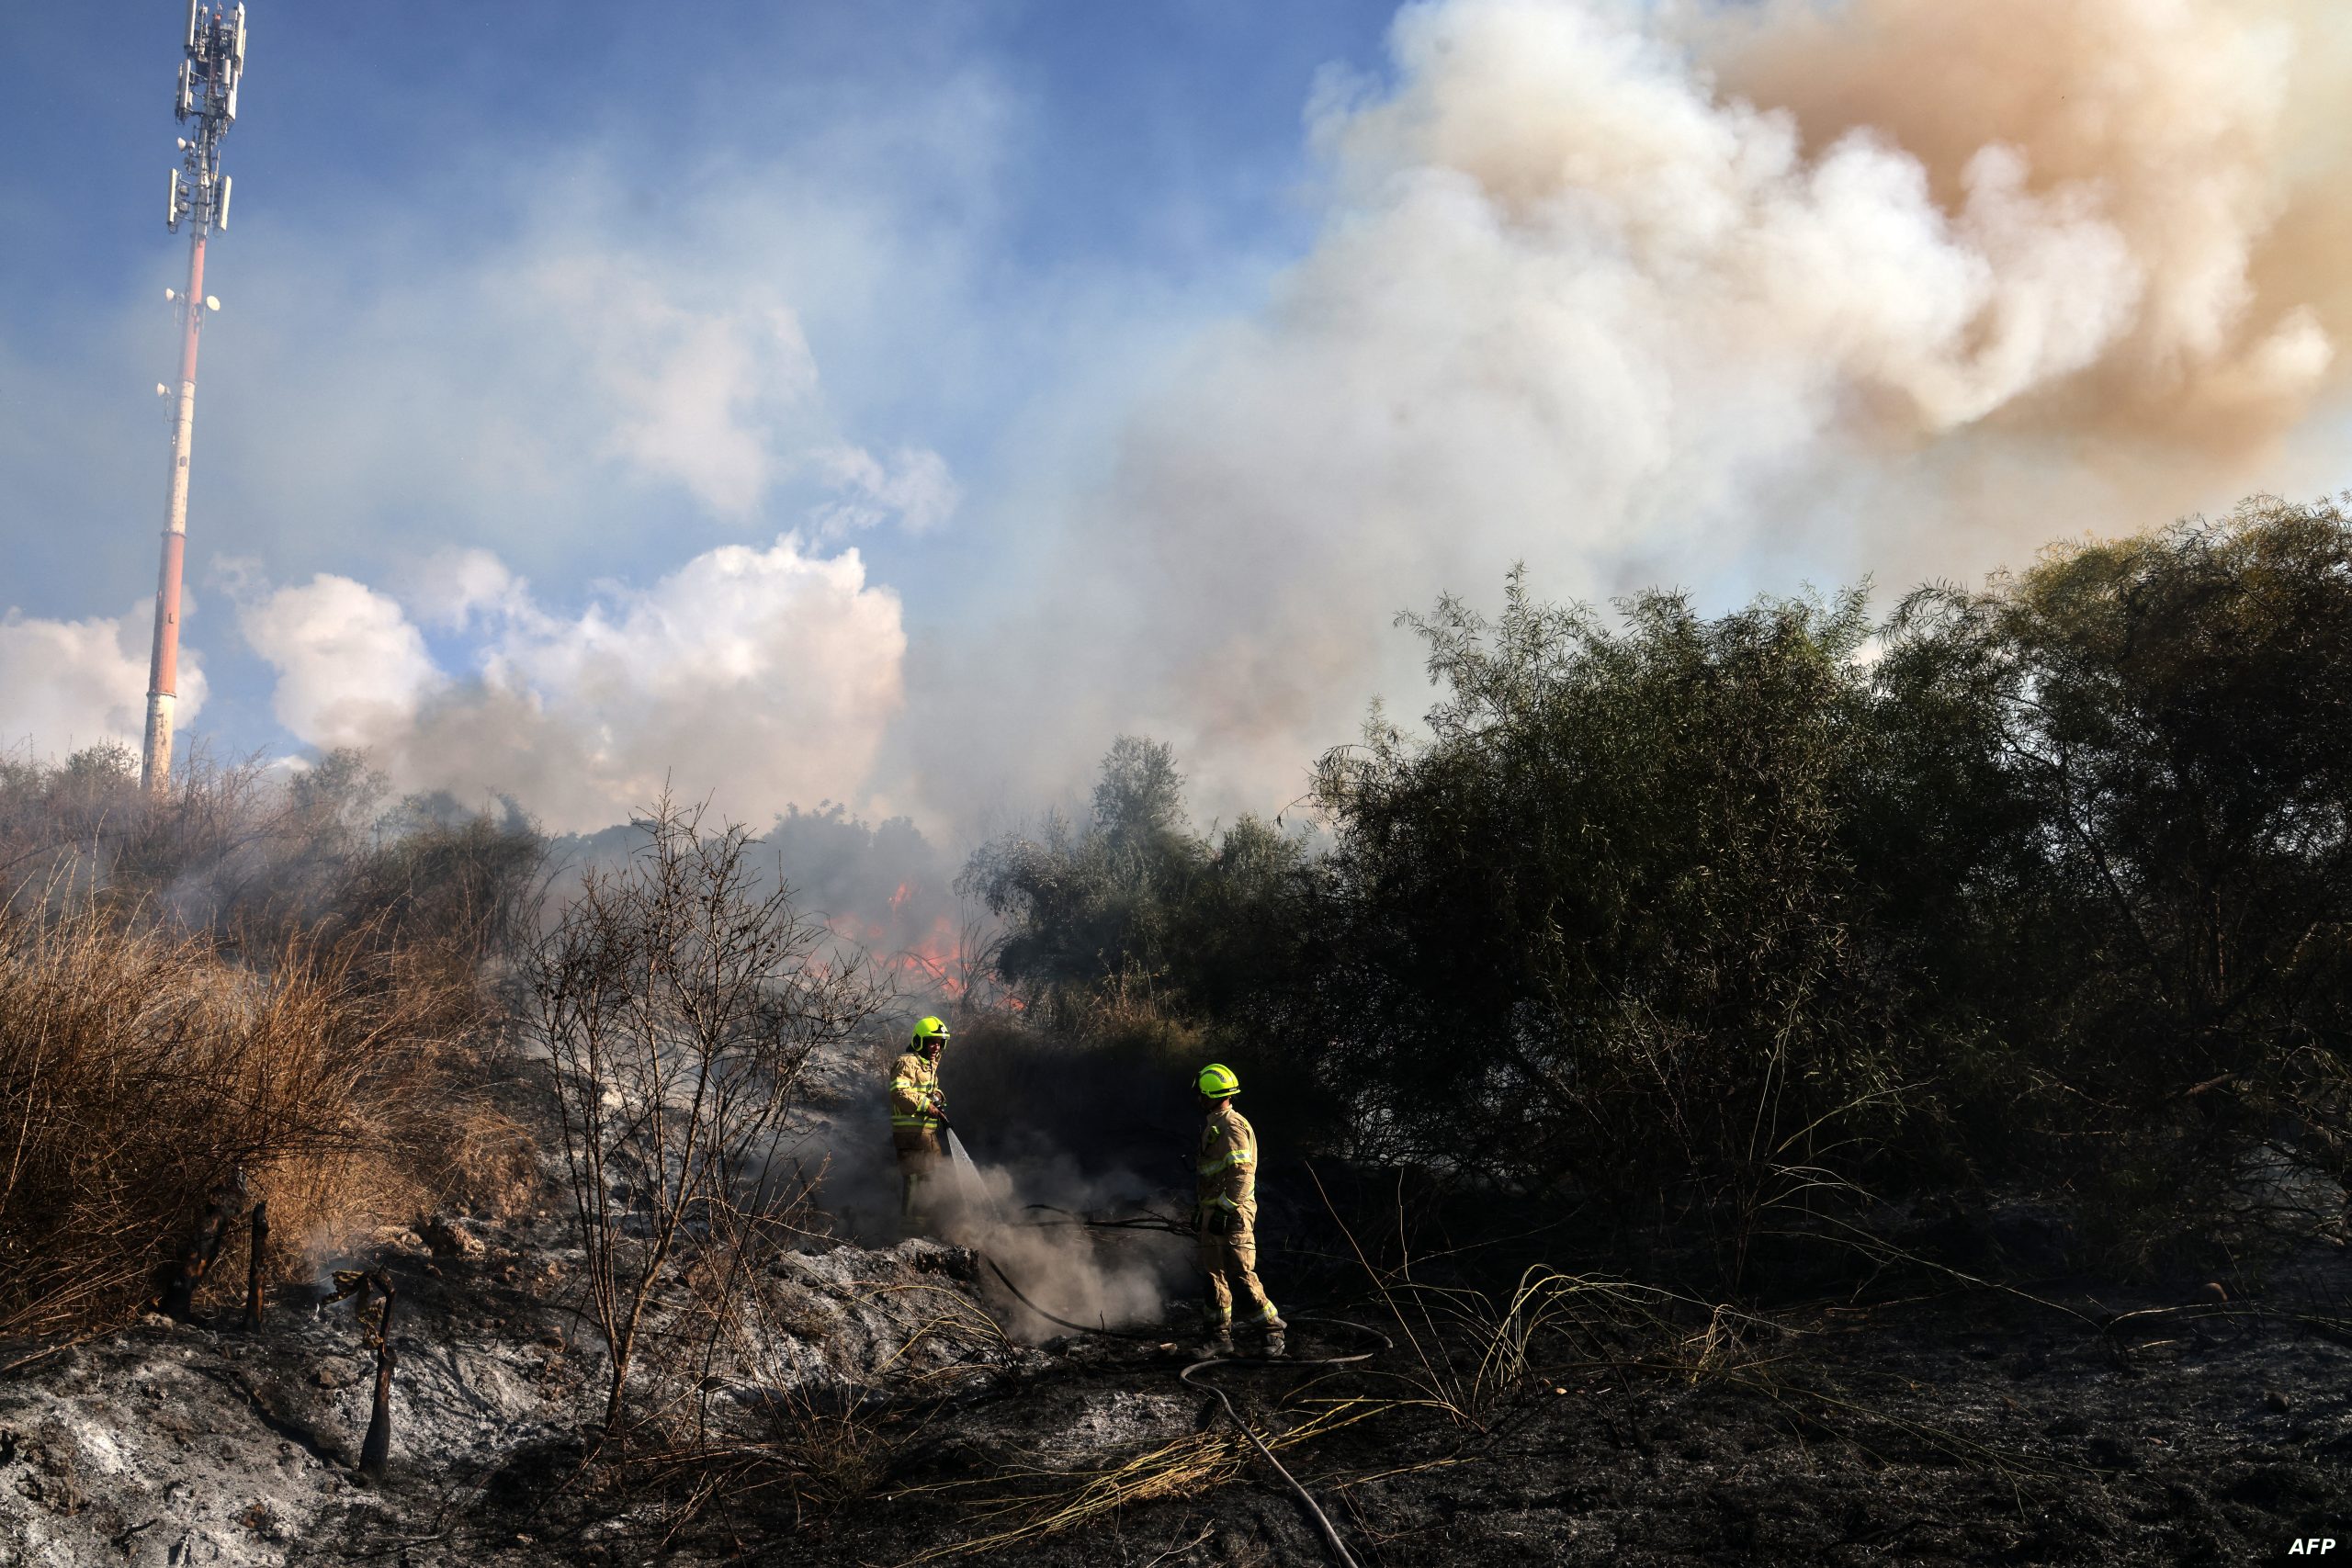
[932, 959]
[937, 957]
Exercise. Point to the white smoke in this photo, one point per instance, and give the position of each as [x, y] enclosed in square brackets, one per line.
[65, 685]
[914, 487]
[1691, 297]
[755, 677]
[723, 398]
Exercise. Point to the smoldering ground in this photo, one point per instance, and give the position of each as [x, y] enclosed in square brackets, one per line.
[1051, 1151]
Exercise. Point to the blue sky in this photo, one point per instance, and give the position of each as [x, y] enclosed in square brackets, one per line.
[889, 403]
[1018, 160]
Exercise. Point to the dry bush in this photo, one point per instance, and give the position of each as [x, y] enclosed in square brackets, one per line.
[257, 969]
[678, 998]
[141, 1068]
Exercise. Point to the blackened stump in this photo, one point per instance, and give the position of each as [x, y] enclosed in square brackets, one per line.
[259, 1244]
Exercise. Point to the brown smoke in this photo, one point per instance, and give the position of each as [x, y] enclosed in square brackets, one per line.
[2209, 133]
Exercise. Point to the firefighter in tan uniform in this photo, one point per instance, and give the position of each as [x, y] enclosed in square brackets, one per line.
[918, 1118]
[1227, 1209]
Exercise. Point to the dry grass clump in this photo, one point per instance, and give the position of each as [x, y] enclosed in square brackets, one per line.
[142, 1067]
[1021, 1503]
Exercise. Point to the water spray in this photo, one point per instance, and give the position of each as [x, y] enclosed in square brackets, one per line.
[967, 1177]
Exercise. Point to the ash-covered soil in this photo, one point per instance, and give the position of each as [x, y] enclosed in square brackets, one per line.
[1950, 1431]
[1974, 1428]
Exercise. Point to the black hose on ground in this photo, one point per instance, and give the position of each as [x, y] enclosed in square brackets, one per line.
[1146, 1220]
[1102, 1328]
[1330, 1531]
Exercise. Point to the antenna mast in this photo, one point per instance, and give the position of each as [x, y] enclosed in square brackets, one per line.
[214, 42]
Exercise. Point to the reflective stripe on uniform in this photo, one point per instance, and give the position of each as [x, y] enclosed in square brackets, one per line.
[1233, 1156]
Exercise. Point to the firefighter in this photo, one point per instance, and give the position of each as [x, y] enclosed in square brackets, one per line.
[1226, 1209]
[918, 1118]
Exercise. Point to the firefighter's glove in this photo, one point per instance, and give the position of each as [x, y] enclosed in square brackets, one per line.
[1217, 1222]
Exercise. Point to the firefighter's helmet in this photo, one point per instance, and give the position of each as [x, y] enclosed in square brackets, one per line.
[1219, 1081]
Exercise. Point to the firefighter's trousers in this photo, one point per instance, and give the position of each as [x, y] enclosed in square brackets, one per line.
[921, 1151]
[1230, 1260]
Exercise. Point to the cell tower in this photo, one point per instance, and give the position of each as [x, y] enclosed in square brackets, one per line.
[207, 97]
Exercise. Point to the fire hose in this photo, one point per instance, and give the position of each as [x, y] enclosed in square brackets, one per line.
[1330, 1531]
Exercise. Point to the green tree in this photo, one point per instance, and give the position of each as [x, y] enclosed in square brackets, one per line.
[1601, 922]
[2169, 711]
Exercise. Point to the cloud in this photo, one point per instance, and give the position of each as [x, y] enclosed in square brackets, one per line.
[351, 667]
[1709, 294]
[758, 677]
[69, 684]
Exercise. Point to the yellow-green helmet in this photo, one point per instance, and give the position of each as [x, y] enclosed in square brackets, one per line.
[1218, 1082]
[929, 1035]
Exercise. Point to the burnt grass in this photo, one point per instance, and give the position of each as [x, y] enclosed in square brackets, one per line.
[1917, 1422]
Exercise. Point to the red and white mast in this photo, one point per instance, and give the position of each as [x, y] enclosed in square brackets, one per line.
[206, 94]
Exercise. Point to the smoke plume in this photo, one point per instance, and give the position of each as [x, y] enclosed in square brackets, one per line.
[1715, 296]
